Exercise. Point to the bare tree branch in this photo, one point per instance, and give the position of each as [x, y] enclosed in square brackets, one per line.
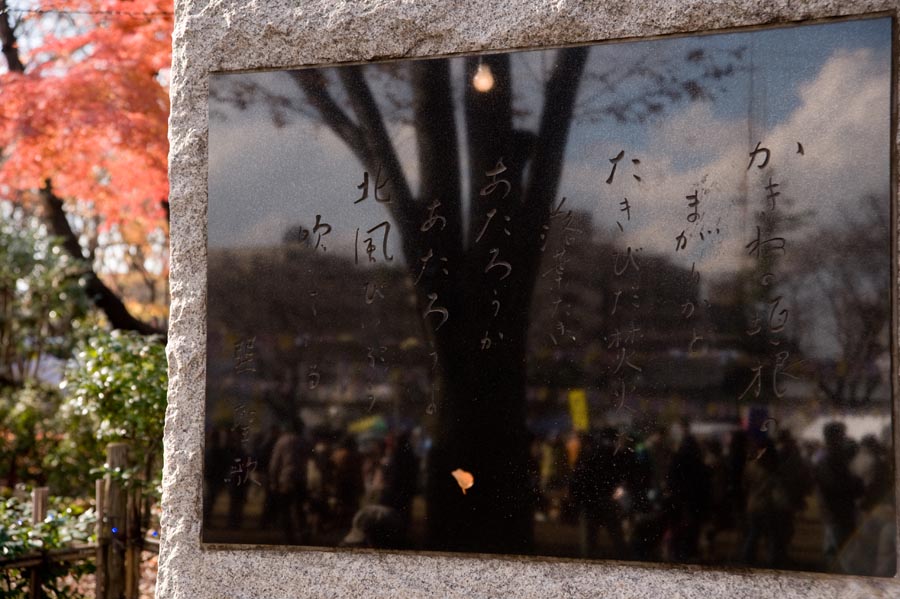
[380, 153]
[313, 85]
[556, 119]
[489, 131]
[437, 142]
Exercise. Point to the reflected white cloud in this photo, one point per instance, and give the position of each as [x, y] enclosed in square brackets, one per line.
[842, 123]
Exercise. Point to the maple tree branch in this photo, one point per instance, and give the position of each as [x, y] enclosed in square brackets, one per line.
[8, 41]
[103, 297]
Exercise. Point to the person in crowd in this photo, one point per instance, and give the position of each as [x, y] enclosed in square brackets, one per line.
[872, 549]
[319, 483]
[839, 489]
[872, 465]
[265, 444]
[735, 493]
[596, 475]
[533, 469]
[239, 477]
[401, 479]
[554, 472]
[647, 517]
[287, 480]
[717, 466]
[374, 454]
[217, 468]
[768, 506]
[688, 484]
[796, 478]
[349, 485]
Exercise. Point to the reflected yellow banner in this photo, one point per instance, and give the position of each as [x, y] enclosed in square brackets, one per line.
[578, 409]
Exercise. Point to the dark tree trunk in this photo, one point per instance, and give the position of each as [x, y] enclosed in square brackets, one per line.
[103, 297]
[480, 421]
[481, 429]
[8, 41]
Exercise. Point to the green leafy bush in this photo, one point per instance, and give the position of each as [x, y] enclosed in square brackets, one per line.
[115, 390]
[43, 310]
[55, 434]
[29, 437]
[42, 297]
[64, 526]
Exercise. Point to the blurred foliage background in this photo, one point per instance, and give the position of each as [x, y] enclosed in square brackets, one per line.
[83, 266]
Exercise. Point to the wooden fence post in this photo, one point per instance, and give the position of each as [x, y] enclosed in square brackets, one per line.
[113, 526]
[134, 544]
[39, 499]
[102, 537]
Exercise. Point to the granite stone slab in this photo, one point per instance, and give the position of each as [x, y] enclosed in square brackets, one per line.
[263, 34]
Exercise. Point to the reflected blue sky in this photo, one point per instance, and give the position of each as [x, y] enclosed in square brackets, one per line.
[254, 162]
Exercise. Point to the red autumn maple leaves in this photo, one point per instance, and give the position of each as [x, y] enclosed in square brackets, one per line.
[90, 110]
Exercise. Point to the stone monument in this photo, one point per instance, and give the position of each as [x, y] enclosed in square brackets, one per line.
[477, 300]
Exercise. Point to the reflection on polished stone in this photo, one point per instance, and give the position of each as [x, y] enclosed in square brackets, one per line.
[626, 301]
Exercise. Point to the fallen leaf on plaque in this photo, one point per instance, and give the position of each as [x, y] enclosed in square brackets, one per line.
[464, 479]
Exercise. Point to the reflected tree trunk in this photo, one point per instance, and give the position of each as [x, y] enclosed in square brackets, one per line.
[483, 279]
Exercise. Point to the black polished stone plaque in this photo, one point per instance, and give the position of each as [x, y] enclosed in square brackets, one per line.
[627, 301]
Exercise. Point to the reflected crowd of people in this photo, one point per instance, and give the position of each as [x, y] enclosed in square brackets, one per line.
[735, 497]
[671, 496]
[319, 486]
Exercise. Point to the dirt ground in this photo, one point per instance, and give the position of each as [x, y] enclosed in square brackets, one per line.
[87, 585]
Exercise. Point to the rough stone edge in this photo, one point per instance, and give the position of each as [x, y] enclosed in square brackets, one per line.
[250, 34]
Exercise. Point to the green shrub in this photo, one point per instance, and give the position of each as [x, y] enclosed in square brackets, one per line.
[65, 525]
[43, 310]
[42, 297]
[115, 390]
